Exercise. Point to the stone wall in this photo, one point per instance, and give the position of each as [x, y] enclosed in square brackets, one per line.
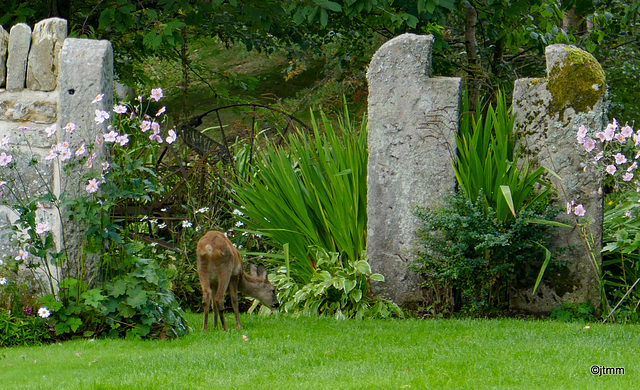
[413, 119]
[47, 79]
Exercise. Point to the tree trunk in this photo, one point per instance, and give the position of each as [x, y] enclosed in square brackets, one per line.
[473, 60]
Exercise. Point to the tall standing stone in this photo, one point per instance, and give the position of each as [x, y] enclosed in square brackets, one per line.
[46, 43]
[19, 45]
[413, 120]
[549, 112]
[4, 50]
[86, 71]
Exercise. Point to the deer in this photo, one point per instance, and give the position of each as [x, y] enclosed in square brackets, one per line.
[220, 268]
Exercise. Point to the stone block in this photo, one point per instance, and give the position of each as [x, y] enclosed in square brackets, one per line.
[29, 106]
[548, 113]
[46, 42]
[4, 50]
[27, 134]
[413, 120]
[19, 45]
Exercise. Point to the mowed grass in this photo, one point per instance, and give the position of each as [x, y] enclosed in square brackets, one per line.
[281, 352]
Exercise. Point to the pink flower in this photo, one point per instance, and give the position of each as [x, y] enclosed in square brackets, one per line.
[611, 169]
[92, 186]
[156, 137]
[582, 132]
[105, 165]
[569, 207]
[52, 155]
[145, 126]
[155, 126]
[632, 166]
[22, 255]
[4, 141]
[123, 139]
[65, 154]
[609, 133]
[81, 150]
[111, 136]
[97, 98]
[161, 111]
[627, 176]
[156, 94]
[120, 109]
[620, 158]
[70, 127]
[579, 210]
[5, 159]
[628, 214]
[626, 131]
[589, 145]
[42, 227]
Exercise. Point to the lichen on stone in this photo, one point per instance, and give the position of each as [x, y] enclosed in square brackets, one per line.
[577, 82]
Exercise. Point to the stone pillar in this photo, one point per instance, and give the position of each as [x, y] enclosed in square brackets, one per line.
[46, 42]
[86, 71]
[413, 120]
[4, 50]
[19, 45]
[548, 113]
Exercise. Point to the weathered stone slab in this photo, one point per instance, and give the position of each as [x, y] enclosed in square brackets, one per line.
[86, 71]
[27, 134]
[19, 45]
[46, 43]
[4, 50]
[549, 112]
[413, 120]
[29, 106]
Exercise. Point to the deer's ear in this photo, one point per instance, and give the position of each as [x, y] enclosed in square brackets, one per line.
[262, 272]
[253, 271]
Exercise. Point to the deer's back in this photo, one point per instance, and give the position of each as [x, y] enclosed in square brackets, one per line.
[216, 254]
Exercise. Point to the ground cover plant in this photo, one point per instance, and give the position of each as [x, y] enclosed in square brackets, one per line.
[323, 353]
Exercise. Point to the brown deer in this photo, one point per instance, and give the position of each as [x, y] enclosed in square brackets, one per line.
[219, 269]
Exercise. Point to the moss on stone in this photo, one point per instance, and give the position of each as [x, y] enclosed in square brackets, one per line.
[577, 82]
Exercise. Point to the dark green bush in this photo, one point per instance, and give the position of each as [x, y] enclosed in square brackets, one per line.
[467, 249]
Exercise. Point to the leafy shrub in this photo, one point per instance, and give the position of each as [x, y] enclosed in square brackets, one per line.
[16, 330]
[467, 248]
[139, 304]
[335, 289]
[571, 312]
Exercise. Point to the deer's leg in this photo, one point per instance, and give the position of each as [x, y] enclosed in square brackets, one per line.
[233, 291]
[218, 299]
[205, 284]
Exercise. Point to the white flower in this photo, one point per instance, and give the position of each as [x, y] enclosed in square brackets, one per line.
[65, 154]
[105, 166]
[172, 137]
[120, 109]
[579, 210]
[70, 127]
[97, 98]
[202, 210]
[161, 111]
[101, 116]
[44, 312]
[3, 280]
[162, 225]
[239, 224]
[237, 212]
[51, 130]
[145, 126]
[186, 224]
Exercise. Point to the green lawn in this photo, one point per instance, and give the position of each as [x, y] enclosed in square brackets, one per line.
[308, 353]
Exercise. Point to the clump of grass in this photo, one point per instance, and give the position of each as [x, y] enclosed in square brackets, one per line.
[321, 353]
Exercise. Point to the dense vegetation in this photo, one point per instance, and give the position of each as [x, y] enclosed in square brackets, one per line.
[150, 205]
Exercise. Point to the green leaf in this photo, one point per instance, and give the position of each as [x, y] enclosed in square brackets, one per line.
[93, 297]
[137, 297]
[363, 267]
[377, 277]
[331, 6]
